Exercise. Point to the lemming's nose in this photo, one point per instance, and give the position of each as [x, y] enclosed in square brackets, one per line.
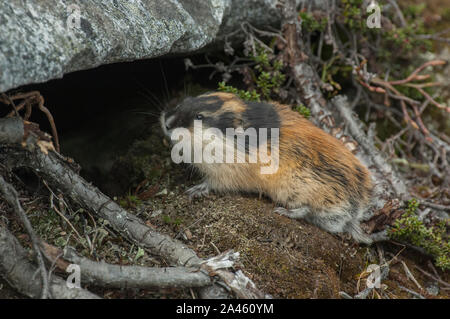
[169, 122]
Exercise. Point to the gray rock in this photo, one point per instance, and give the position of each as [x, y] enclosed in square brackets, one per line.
[433, 288]
[43, 40]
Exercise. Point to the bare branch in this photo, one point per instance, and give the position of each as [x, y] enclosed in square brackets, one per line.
[118, 276]
[11, 196]
[20, 273]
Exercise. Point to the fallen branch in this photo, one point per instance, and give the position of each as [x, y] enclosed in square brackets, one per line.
[412, 292]
[445, 284]
[11, 196]
[240, 284]
[356, 129]
[29, 99]
[20, 273]
[114, 276]
[387, 87]
[436, 206]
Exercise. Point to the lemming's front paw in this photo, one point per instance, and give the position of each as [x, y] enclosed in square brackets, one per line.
[292, 213]
[198, 191]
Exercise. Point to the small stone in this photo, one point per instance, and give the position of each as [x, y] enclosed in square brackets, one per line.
[163, 192]
[188, 234]
[156, 213]
[433, 289]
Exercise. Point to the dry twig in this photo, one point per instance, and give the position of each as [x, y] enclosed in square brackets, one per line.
[29, 99]
[20, 273]
[11, 196]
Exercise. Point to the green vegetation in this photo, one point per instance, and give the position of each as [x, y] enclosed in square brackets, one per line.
[303, 110]
[353, 17]
[170, 221]
[394, 44]
[245, 95]
[310, 24]
[267, 77]
[414, 10]
[434, 240]
[130, 201]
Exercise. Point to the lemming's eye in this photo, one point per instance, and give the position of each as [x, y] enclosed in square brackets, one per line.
[199, 117]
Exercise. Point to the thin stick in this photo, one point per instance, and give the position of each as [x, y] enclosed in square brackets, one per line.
[432, 277]
[11, 196]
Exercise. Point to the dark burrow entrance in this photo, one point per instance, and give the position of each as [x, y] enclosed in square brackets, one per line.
[99, 113]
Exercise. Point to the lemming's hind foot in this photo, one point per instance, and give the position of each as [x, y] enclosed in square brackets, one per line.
[199, 190]
[333, 223]
[354, 229]
[292, 213]
[357, 233]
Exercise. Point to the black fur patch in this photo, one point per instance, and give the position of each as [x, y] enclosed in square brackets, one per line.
[328, 201]
[224, 121]
[323, 160]
[360, 173]
[297, 149]
[261, 115]
[257, 115]
[354, 206]
[337, 175]
[328, 172]
[187, 111]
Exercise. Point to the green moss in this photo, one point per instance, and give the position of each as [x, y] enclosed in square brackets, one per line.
[267, 78]
[171, 221]
[243, 94]
[353, 17]
[130, 201]
[310, 23]
[405, 40]
[434, 240]
[446, 14]
[267, 74]
[414, 10]
[303, 110]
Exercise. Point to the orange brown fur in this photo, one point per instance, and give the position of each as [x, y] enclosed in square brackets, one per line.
[318, 178]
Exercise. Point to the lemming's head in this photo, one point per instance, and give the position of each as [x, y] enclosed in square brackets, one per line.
[219, 110]
[219, 124]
